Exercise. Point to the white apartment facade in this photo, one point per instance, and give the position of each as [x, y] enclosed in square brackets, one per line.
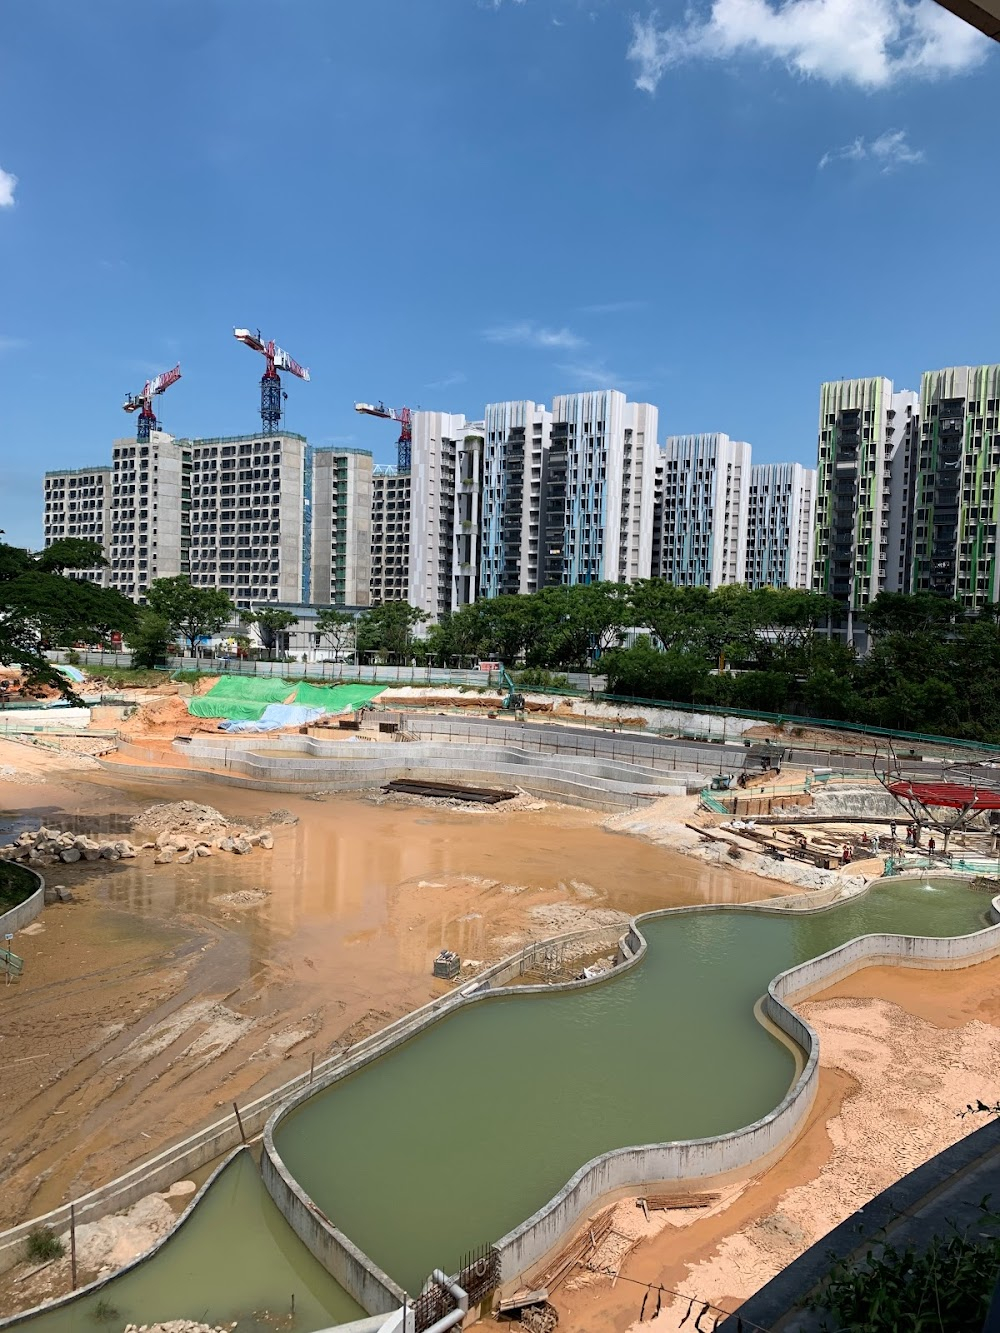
[150, 512]
[781, 508]
[514, 474]
[441, 441]
[78, 505]
[597, 515]
[701, 520]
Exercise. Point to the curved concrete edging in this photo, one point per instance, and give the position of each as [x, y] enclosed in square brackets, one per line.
[206, 1145]
[16, 918]
[621, 1170]
[24, 1315]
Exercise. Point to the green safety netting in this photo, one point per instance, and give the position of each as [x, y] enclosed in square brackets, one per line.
[336, 698]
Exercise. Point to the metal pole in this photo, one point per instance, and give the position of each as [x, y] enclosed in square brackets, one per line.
[240, 1123]
[72, 1244]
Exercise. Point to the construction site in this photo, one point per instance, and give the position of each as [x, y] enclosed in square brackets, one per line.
[278, 913]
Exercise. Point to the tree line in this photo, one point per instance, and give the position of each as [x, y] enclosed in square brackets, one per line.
[932, 667]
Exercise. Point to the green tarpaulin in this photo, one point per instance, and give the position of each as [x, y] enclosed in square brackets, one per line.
[252, 689]
[336, 698]
[233, 709]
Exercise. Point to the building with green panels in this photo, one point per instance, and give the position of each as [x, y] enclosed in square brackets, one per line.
[866, 444]
[956, 502]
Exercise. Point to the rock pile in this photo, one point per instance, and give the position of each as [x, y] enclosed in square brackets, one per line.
[184, 830]
[180, 1326]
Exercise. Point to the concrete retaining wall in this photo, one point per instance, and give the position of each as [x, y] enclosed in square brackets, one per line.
[42, 719]
[24, 913]
[91, 1287]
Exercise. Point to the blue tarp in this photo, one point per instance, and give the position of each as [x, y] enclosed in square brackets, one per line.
[276, 716]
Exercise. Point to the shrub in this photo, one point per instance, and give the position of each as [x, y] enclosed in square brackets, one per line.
[538, 677]
[104, 1312]
[43, 1244]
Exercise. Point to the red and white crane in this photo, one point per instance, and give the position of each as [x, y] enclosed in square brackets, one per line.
[143, 402]
[405, 418]
[270, 384]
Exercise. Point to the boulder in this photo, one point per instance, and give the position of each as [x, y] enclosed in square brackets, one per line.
[66, 839]
[126, 850]
[226, 844]
[266, 840]
[91, 853]
[203, 849]
[65, 896]
[185, 858]
[164, 858]
[241, 846]
[70, 854]
[109, 852]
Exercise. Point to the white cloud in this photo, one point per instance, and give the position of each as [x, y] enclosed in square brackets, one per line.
[526, 333]
[869, 43]
[11, 344]
[585, 375]
[612, 307]
[7, 185]
[449, 381]
[889, 151]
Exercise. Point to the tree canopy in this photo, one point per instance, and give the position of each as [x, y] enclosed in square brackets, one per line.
[190, 613]
[271, 623]
[41, 606]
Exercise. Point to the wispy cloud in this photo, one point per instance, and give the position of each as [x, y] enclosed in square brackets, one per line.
[611, 307]
[889, 151]
[869, 43]
[11, 344]
[449, 381]
[526, 333]
[8, 183]
[595, 375]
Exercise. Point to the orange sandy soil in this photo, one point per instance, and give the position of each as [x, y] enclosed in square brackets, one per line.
[163, 993]
[902, 1052]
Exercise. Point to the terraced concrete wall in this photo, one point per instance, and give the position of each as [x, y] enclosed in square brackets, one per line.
[712, 1160]
[24, 913]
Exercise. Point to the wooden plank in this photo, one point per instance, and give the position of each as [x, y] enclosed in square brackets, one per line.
[535, 1297]
[663, 1201]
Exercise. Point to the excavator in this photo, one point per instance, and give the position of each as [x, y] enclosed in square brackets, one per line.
[514, 702]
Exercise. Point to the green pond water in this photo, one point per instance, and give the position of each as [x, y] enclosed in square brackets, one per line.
[235, 1258]
[462, 1133]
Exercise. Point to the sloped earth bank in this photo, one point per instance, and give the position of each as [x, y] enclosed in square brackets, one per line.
[902, 1052]
[162, 993]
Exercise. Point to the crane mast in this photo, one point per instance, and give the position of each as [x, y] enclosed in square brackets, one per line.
[142, 402]
[276, 358]
[404, 445]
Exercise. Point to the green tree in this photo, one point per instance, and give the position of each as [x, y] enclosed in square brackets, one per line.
[389, 629]
[149, 639]
[271, 625]
[190, 613]
[336, 629]
[41, 606]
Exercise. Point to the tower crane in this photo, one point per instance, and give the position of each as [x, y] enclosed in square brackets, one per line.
[270, 384]
[405, 418]
[143, 402]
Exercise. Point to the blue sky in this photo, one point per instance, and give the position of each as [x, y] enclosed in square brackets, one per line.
[445, 202]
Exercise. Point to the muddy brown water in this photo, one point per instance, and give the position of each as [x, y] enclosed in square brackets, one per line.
[166, 992]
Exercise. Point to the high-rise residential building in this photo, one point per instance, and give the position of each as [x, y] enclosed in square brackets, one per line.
[341, 527]
[781, 507]
[702, 510]
[514, 477]
[597, 513]
[150, 512]
[390, 554]
[439, 441]
[957, 500]
[468, 517]
[864, 466]
[78, 505]
[247, 500]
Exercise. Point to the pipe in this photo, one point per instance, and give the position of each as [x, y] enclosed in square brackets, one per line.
[449, 1320]
[461, 1296]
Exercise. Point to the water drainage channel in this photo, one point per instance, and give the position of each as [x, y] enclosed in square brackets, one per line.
[459, 1134]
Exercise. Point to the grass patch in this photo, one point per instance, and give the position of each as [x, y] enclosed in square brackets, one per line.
[104, 1312]
[15, 885]
[122, 677]
[43, 1244]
